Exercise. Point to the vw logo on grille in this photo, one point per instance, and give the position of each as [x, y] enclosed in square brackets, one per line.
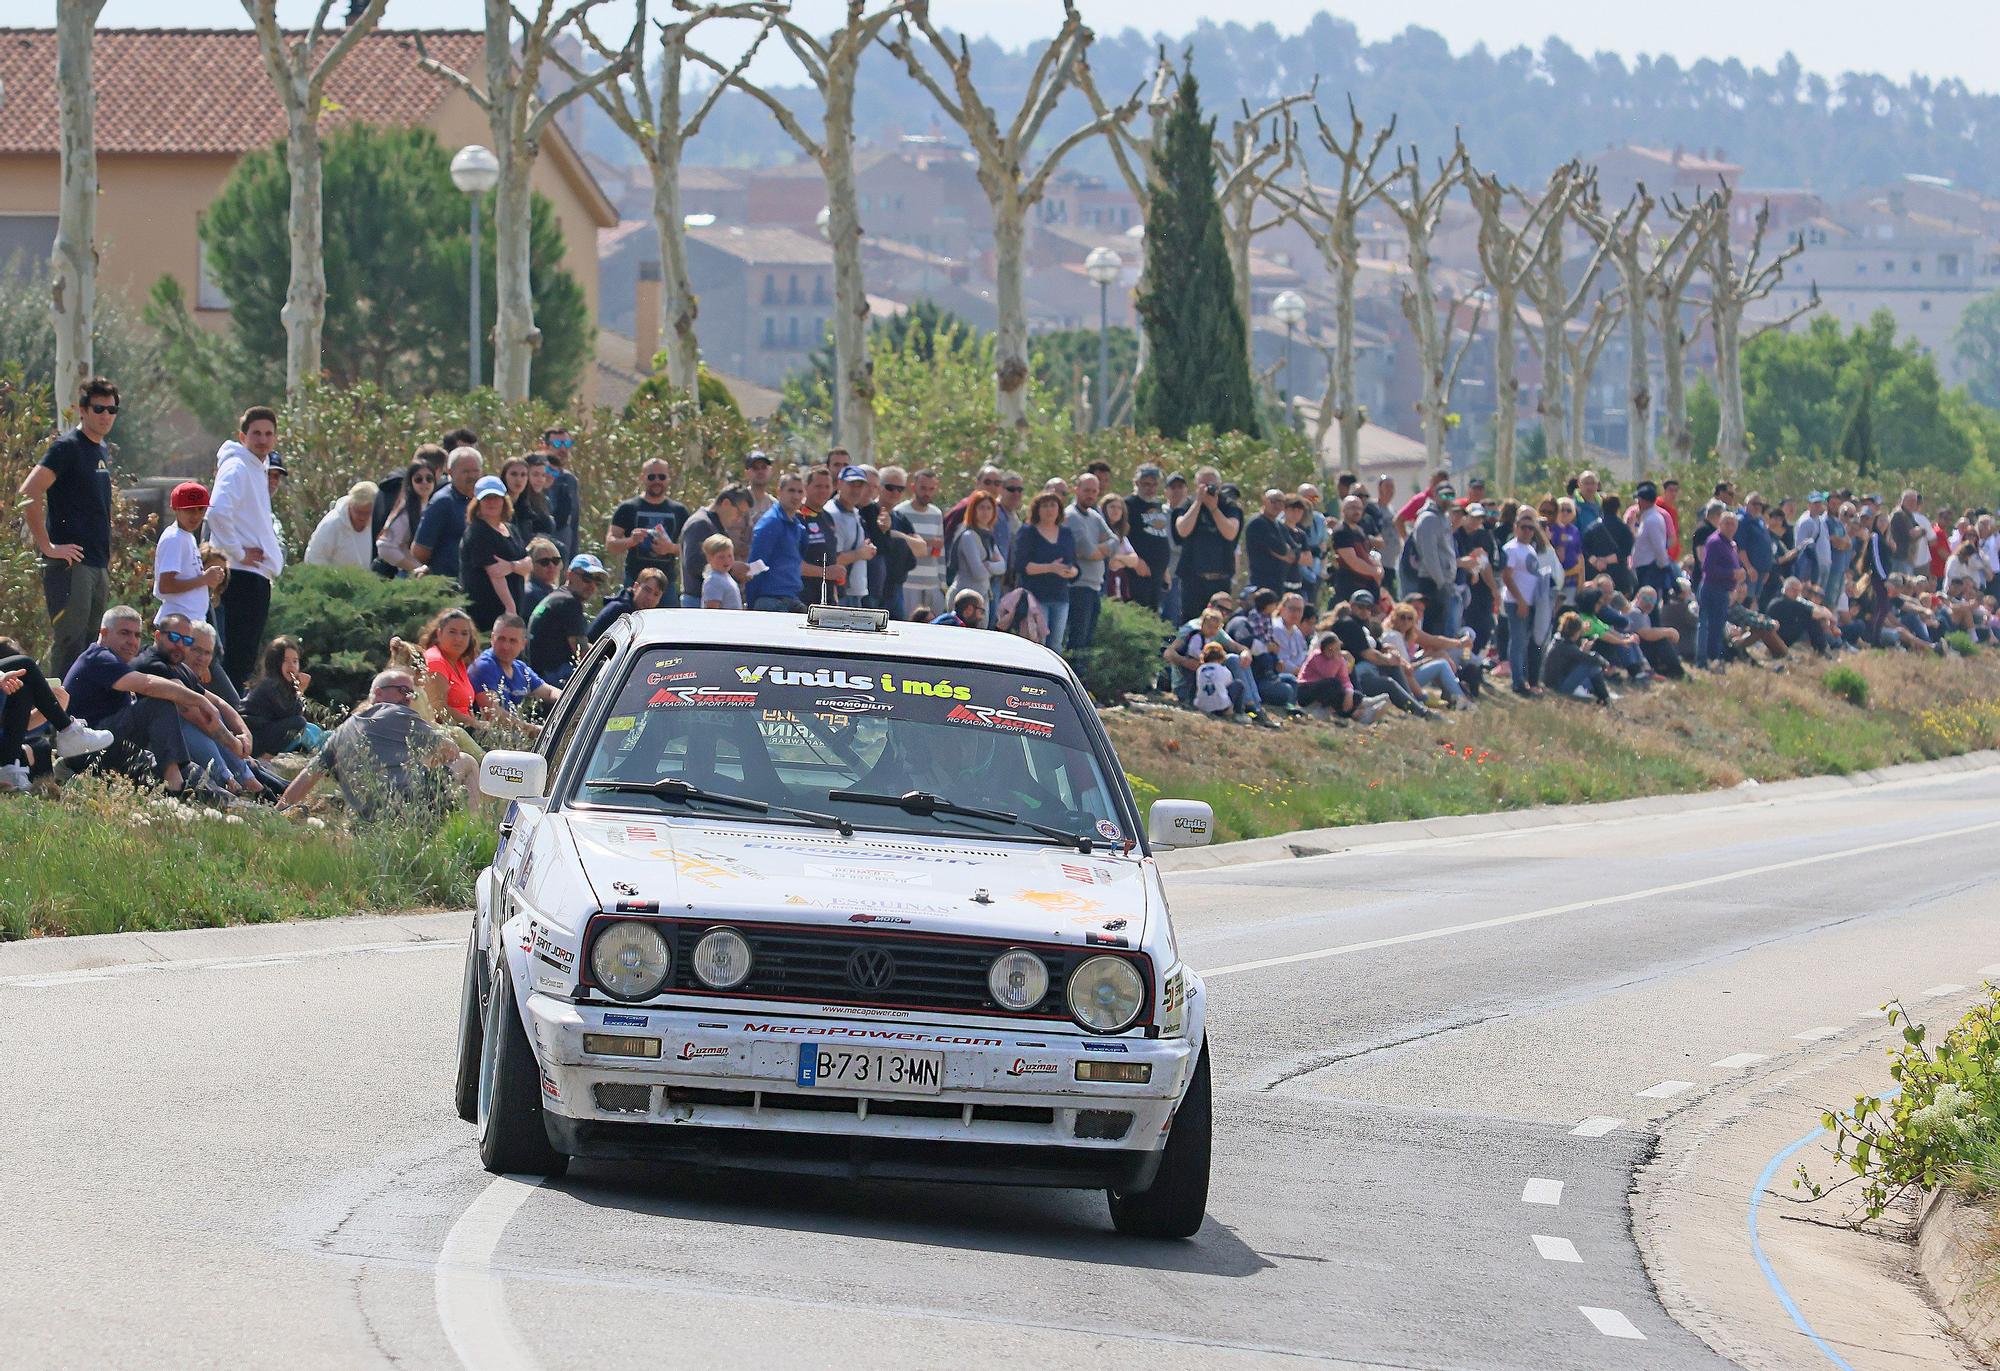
[870, 969]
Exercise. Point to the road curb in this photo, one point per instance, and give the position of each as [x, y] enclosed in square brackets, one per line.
[36, 957]
[1320, 842]
[1950, 1236]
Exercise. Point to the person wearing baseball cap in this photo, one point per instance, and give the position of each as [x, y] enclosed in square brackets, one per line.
[556, 628]
[492, 562]
[853, 549]
[179, 583]
[757, 471]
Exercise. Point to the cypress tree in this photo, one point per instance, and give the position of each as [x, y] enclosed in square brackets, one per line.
[1196, 371]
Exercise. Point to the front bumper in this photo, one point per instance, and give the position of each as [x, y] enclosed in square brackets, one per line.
[726, 1092]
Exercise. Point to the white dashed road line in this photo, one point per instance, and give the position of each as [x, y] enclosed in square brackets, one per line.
[471, 1303]
[1611, 1323]
[1665, 1090]
[1879, 1012]
[1596, 1126]
[1541, 1191]
[1813, 1035]
[1935, 991]
[1556, 1249]
[1739, 1061]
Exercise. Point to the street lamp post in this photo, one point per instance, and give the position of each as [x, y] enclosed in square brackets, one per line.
[475, 171]
[1290, 309]
[1103, 266]
[823, 221]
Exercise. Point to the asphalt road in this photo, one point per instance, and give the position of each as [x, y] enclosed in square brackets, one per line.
[253, 1162]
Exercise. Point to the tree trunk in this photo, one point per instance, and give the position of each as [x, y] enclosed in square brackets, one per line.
[1579, 408]
[1676, 442]
[1010, 353]
[73, 261]
[1420, 308]
[1237, 238]
[1554, 432]
[515, 336]
[678, 305]
[1731, 442]
[304, 314]
[854, 369]
[1638, 391]
[1506, 390]
[1344, 367]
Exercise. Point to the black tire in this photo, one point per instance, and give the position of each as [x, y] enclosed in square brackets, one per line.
[471, 1031]
[512, 1139]
[1175, 1204]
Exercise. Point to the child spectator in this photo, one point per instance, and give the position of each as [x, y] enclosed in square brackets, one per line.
[718, 588]
[1214, 690]
[179, 581]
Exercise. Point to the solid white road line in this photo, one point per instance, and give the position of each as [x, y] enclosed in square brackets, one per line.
[1596, 1126]
[1938, 990]
[1541, 1191]
[1610, 1323]
[1556, 1249]
[1813, 1035]
[1738, 1061]
[1665, 1090]
[470, 1302]
[1578, 906]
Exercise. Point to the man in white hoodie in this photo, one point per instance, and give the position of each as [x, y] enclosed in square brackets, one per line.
[240, 523]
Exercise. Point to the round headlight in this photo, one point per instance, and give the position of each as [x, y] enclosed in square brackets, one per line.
[722, 959]
[630, 960]
[1018, 980]
[1106, 994]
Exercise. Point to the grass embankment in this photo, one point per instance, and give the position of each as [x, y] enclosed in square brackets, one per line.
[1511, 754]
[106, 859]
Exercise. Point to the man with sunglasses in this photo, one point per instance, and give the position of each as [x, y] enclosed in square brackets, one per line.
[545, 565]
[564, 495]
[385, 758]
[67, 505]
[222, 748]
[897, 545]
[647, 528]
[142, 712]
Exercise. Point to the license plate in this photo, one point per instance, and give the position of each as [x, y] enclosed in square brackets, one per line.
[879, 1068]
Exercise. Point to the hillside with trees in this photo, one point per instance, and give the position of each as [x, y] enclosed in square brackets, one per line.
[1522, 111]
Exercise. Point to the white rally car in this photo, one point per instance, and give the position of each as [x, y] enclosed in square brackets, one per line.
[831, 894]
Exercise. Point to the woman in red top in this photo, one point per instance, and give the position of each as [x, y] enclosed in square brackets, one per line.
[450, 642]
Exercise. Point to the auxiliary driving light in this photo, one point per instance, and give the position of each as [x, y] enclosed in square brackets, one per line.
[722, 959]
[1017, 980]
[621, 1045]
[1123, 1073]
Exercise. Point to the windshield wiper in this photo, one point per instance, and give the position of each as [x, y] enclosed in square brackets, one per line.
[674, 788]
[923, 804]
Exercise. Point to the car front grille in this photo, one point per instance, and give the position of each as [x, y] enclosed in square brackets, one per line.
[874, 969]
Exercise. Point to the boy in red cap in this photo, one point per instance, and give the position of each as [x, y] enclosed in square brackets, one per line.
[179, 583]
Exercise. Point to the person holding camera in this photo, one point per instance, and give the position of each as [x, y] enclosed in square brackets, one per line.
[1208, 526]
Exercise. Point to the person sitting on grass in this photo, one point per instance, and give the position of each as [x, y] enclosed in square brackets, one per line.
[1659, 644]
[26, 696]
[1455, 651]
[501, 682]
[1376, 672]
[450, 645]
[1608, 640]
[275, 706]
[560, 625]
[1326, 683]
[1800, 620]
[1215, 692]
[221, 749]
[386, 760]
[204, 664]
[142, 712]
[1568, 669]
[1433, 673]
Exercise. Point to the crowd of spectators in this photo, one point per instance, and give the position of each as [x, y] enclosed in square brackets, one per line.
[1343, 613]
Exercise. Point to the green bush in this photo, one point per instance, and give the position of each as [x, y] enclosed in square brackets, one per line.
[1849, 684]
[1124, 656]
[1959, 641]
[345, 618]
[657, 390]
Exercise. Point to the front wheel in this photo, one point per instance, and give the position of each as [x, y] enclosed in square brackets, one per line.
[471, 1033]
[512, 1138]
[1174, 1205]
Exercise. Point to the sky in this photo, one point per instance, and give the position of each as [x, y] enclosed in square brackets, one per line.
[1935, 38]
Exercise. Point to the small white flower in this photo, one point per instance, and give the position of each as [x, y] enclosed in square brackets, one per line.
[315, 822]
[234, 819]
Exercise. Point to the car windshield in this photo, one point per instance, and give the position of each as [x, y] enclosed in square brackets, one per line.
[793, 731]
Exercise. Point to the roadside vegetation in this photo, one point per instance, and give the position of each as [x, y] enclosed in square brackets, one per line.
[105, 858]
[1876, 709]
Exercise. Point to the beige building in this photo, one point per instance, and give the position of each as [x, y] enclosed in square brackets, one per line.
[176, 108]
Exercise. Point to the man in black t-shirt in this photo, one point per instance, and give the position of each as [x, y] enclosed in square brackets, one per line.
[647, 528]
[67, 505]
[556, 632]
[1150, 531]
[1348, 549]
[1207, 526]
[1268, 544]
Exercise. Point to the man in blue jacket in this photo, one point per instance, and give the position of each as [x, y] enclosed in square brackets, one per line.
[778, 541]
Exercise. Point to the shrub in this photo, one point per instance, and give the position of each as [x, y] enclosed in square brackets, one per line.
[1124, 656]
[656, 390]
[1849, 684]
[1959, 641]
[345, 619]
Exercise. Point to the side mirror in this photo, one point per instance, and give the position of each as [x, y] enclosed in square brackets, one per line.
[514, 775]
[1175, 823]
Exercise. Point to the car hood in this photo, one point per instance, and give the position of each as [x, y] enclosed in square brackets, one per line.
[938, 885]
